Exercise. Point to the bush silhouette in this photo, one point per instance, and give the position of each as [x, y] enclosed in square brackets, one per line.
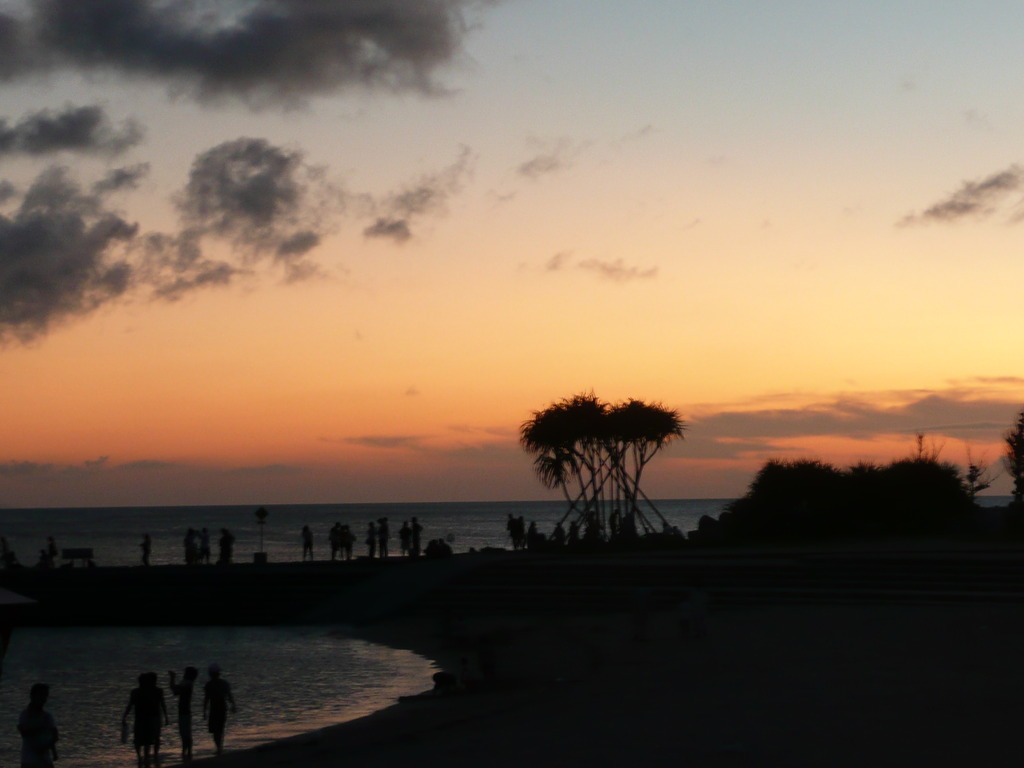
[811, 499]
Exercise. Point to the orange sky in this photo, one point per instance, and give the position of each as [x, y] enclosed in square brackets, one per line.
[805, 251]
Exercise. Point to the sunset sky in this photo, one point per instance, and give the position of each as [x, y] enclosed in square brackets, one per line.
[293, 251]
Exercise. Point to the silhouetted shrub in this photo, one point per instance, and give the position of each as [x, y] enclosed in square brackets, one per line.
[811, 499]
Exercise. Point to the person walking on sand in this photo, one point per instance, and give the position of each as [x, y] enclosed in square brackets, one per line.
[383, 534]
[307, 543]
[215, 706]
[38, 730]
[147, 548]
[150, 712]
[184, 694]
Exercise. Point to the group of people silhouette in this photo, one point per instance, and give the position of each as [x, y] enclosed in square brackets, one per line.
[146, 703]
[150, 712]
[378, 540]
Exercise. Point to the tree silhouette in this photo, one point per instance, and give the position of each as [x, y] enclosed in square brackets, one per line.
[1013, 458]
[596, 454]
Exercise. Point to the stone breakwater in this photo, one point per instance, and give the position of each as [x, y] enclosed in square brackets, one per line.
[364, 591]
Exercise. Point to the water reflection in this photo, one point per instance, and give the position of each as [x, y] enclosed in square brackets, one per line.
[286, 681]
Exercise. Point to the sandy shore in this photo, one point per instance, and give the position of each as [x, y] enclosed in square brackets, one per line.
[813, 685]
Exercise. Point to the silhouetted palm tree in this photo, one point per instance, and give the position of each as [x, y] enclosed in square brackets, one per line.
[596, 453]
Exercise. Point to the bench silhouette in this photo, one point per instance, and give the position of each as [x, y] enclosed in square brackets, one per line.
[77, 553]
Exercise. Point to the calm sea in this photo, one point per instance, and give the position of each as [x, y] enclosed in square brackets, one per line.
[286, 680]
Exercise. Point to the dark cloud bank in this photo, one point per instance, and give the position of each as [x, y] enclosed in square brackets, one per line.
[259, 51]
[65, 250]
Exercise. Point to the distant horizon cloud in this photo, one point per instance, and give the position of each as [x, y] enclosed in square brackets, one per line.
[974, 199]
[260, 53]
[74, 129]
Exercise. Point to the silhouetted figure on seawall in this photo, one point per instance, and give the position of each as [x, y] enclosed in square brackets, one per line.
[184, 692]
[150, 713]
[204, 546]
[191, 547]
[383, 535]
[307, 543]
[417, 537]
[405, 539]
[438, 548]
[371, 540]
[574, 533]
[51, 550]
[7, 555]
[348, 540]
[558, 535]
[334, 539]
[147, 548]
[227, 546]
[38, 730]
[217, 696]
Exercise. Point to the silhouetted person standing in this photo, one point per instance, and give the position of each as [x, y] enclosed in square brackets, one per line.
[204, 547]
[215, 705]
[227, 544]
[184, 694]
[383, 534]
[38, 730]
[417, 533]
[371, 540]
[150, 713]
[51, 550]
[147, 548]
[307, 543]
[405, 538]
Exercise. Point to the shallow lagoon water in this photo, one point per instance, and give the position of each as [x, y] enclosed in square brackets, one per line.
[286, 681]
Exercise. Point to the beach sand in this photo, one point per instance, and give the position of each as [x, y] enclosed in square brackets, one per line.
[803, 685]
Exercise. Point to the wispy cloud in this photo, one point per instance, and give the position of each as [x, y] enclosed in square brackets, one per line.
[388, 442]
[428, 195]
[618, 271]
[974, 199]
[552, 157]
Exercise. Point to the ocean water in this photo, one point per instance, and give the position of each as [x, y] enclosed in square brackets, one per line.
[115, 533]
[286, 680]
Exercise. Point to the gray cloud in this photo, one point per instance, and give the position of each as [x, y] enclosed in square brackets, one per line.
[124, 178]
[557, 262]
[25, 469]
[554, 157]
[617, 270]
[428, 195]
[386, 441]
[77, 129]
[974, 199]
[262, 198]
[58, 256]
[7, 191]
[392, 229]
[725, 434]
[259, 51]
